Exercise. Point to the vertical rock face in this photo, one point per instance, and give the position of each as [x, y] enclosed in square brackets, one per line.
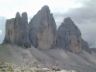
[25, 30]
[17, 30]
[42, 31]
[85, 46]
[9, 36]
[69, 36]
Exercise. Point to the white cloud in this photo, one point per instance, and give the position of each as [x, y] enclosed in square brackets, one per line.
[8, 8]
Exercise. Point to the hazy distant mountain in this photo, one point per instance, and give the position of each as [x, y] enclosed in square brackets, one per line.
[2, 28]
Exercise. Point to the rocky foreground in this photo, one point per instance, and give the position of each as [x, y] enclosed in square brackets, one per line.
[8, 67]
[52, 60]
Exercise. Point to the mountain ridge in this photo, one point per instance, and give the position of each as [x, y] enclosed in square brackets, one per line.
[40, 43]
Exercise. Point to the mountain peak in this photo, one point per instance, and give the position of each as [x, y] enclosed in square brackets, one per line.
[43, 29]
[69, 36]
[68, 19]
[17, 15]
[24, 14]
[45, 9]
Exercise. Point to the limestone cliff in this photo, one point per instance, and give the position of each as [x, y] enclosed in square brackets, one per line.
[42, 31]
[17, 30]
[69, 37]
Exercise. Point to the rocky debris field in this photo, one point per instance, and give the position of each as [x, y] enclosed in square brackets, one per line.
[8, 67]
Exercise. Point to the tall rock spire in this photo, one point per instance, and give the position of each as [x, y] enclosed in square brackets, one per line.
[25, 29]
[69, 36]
[42, 31]
[17, 30]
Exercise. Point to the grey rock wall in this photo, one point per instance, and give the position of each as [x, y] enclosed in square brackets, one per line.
[42, 31]
[17, 30]
[69, 37]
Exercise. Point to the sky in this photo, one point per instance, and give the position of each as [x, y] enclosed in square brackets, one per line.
[8, 8]
[82, 12]
[0, 32]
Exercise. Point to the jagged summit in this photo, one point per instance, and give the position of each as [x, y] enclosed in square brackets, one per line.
[63, 48]
[69, 36]
[42, 31]
[45, 8]
[69, 25]
[17, 14]
[17, 30]
[67, 19]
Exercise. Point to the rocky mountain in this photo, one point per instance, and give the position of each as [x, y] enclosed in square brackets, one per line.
[85, 46]
[40, 44]
[42, 31]
[69, 37]
[17, 30]
[93, 49]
